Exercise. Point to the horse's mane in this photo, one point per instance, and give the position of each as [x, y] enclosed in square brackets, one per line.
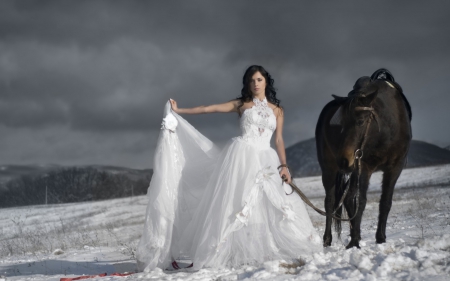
[386, 75]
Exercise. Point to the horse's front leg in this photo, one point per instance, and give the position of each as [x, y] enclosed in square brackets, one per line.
[328, 183]
[389, 180]
[351, 205]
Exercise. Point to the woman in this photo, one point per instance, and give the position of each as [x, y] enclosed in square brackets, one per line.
[240, 214]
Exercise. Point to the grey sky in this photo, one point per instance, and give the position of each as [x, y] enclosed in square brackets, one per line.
[85, 82]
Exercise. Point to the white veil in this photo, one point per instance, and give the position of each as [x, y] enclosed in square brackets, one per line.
[183, 162]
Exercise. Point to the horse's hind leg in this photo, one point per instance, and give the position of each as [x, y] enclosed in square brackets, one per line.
[389, 180]
[328, 179]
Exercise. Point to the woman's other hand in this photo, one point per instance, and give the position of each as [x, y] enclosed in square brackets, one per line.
[174, 105]
[284, 174]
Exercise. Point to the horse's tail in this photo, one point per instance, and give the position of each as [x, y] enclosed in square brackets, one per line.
[339, 188]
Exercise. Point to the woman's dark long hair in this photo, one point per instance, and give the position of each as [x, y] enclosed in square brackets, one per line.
[246, 93]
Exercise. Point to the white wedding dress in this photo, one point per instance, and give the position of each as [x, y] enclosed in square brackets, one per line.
[222, 208]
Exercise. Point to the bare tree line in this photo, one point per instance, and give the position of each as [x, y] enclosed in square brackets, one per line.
[73, 184]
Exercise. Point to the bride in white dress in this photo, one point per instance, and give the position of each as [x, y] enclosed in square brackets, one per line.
[225, 208]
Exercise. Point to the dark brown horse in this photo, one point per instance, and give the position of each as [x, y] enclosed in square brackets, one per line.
[374, 118]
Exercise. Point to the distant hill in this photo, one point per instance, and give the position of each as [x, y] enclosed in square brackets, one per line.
[447, 147]
[22, 185]
[302, 157]
[8, 172]
[426, 154]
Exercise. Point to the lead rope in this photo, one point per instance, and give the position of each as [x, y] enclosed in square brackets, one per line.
[347, 187]
[309, 203]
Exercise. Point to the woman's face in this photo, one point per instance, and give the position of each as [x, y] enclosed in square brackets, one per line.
[258, 84]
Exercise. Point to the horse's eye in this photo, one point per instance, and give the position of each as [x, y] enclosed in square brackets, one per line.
[360, 122]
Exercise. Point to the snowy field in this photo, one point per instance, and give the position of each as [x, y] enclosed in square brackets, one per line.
[68, 240]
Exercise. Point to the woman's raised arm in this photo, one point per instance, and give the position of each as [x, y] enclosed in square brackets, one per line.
[231, 106]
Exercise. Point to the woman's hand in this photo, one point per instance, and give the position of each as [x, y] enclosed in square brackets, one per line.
[285, 173]
[174, 105]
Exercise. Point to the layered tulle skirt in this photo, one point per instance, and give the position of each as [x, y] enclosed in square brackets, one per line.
[245, 216]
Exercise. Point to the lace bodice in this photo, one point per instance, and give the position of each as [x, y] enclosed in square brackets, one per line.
[258, 123]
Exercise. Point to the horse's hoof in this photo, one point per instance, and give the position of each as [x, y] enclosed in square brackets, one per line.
[353, 244]
[326, 243]
[380, 238]
[381, 241]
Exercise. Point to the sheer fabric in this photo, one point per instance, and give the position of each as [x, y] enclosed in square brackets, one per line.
[222, 208]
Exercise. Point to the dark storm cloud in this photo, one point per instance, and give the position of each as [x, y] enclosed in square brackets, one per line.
[109, 66]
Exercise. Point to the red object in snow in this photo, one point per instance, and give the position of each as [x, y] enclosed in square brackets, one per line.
[94, 276]
[83, 277]
[120, 274]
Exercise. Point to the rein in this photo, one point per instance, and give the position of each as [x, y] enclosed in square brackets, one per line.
[358, 156]
[309, 203]
[373, 115]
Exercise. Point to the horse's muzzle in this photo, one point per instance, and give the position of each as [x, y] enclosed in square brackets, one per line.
[345, 165]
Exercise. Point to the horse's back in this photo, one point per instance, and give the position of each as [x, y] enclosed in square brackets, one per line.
[325, 132]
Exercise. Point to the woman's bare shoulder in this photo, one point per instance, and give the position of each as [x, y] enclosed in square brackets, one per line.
[277, 110]
[236, 101]
[246, 104]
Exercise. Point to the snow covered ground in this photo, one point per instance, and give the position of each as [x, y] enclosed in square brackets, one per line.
[67, 240]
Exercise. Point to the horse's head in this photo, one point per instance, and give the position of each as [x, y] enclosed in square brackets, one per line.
[356, 114]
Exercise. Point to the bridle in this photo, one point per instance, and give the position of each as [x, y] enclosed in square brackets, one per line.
[358, 155]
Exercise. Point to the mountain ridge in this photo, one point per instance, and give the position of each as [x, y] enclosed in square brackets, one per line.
[302, 157]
